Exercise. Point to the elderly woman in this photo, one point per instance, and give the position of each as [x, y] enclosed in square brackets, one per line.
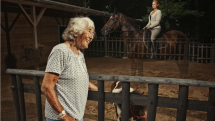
[154, 24]
[66, 81]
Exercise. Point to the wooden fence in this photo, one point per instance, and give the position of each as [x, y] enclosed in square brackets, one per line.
[115, 47]
[182, 103]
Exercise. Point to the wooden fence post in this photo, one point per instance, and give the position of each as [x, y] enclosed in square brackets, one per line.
[152, 101]
[125, 101]
[15, 96]
[212, 52]
[101, 100]
[211, 105]
[38, 98]
[182, 103]
[21, 97]
[106, 55]
[124, 54]
[187, 50]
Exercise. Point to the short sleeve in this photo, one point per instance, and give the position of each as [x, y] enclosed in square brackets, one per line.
[56, 62]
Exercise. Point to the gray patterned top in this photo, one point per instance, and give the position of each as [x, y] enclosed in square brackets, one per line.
[72, 85]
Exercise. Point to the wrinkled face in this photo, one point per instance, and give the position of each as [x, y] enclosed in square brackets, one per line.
[154, 5]
[110, 24]
[85, 38]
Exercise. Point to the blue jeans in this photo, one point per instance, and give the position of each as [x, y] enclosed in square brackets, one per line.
[47, 119]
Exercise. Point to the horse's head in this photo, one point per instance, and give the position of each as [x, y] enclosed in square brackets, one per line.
[138, 112]
[112, 23]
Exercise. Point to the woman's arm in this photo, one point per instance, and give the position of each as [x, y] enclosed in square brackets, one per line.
[47, 87]
[92, 87]
[157, 20]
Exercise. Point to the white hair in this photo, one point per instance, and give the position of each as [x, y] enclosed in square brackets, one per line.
[76, 26]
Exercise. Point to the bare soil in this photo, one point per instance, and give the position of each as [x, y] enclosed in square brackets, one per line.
[116, 66]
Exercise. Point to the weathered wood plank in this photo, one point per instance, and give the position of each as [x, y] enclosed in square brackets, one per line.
[60, 6]
[211, 106]
[124, 49]
[15, 96]
[125, 100]
[187, 50]
[40, 15]
[202, 53]
[25, 13]
[36, 56]
[152, 102]
[7, 33]
[3, 27]
[136, 99]
[182, 103]
[138, 79]
[213, 52]
[101, 100]
[106, 49]
[21, 97]
[14, 21]
[38, 98]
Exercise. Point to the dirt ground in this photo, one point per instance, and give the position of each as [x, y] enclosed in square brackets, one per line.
[116, 66]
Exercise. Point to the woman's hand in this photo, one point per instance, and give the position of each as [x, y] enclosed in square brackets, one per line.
[92, 87]
[67, 118]
[148, 27]
[144, 27]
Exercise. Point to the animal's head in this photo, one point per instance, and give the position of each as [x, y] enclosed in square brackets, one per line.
[112, 24]
[138, 112]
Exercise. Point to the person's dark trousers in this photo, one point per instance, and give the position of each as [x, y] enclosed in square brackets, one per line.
[154, 33]
[154, 47]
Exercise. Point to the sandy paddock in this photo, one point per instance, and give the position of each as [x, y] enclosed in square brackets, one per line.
[117, 66]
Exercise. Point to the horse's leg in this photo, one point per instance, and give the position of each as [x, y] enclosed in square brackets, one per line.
[183, 66]
[139, 66]
[133, 67]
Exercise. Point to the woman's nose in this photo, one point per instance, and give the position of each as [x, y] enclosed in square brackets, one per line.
[91, 35]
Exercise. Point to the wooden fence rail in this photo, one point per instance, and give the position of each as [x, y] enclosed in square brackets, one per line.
[182, 103]
[115, 47]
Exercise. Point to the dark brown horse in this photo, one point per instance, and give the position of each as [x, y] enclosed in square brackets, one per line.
[136, 43]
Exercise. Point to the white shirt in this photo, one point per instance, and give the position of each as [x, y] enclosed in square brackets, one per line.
[154, 22]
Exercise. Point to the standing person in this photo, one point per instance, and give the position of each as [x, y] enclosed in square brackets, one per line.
[154, 24]
[66, 81]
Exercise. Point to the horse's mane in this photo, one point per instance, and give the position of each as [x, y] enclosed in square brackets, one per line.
[133, 22]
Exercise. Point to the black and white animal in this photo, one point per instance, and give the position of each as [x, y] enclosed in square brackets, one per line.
[136, 112]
